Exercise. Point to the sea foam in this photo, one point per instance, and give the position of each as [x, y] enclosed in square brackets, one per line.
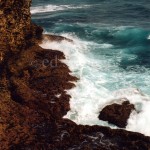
[100, 84]
[52, 8]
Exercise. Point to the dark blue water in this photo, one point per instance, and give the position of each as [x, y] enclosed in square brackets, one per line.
[100, 18]
[112, 12]
[111, 54]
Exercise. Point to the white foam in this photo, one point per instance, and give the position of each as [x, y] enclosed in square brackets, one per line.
[71, 51]
[78, 62]
[93, 92]
[139, 120]
[148, 37]
[52, 8]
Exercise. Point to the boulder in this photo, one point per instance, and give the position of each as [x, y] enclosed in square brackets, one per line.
[117, 114]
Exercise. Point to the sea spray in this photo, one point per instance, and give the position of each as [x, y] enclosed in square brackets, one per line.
[110, 54]
[99, 85]
[53, 8]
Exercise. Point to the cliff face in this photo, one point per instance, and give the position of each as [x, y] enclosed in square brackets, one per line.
[30, 110]
[16, 30]
[28, 85]
[15, 23]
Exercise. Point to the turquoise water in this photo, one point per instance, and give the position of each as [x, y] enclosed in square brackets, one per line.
[110, 54]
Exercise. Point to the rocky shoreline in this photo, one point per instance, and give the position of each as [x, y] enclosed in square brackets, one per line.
[32, 93]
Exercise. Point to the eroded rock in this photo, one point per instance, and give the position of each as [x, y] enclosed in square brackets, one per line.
[117, 114]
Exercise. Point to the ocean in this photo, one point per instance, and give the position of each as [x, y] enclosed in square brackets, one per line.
[110, 55]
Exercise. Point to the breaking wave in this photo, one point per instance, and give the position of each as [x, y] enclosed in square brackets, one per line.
[52, 8]
[103, 82]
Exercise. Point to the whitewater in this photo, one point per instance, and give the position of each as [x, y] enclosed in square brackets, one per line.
[111, 62]
[52, 8]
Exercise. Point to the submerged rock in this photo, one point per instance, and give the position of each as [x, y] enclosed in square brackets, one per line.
[55, 38]
[117, 114]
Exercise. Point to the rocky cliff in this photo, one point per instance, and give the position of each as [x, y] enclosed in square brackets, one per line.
[30, 81]
[16, 28]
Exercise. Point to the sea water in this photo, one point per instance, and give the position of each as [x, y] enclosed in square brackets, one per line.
[110, 54]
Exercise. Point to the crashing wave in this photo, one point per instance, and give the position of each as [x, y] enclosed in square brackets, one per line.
[52, 8]
[91, 93]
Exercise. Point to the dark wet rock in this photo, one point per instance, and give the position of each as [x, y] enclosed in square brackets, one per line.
[31, 112]
[117, 114]
[56, 38]
[71, 136]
